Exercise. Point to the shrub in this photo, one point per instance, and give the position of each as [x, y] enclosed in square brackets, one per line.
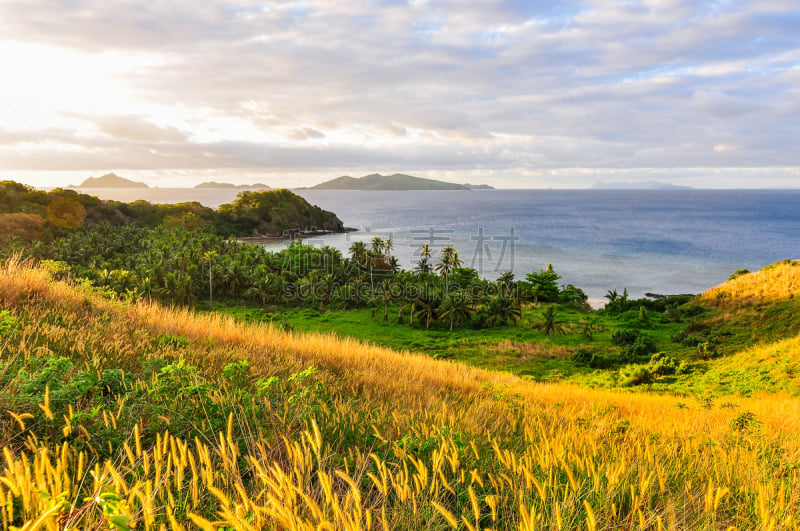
[643, 346]
[692, 310]
[707, 350]
[625, 337]
[599, 361]
[745, 421]
[662, 364]
[237, 373]
[631, 375]
[582, 357]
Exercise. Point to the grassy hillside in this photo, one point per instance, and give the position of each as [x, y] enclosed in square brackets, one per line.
[756, 323]
[122, 415]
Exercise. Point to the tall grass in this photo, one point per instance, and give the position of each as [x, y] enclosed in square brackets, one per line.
[776, 282]
[372, 439]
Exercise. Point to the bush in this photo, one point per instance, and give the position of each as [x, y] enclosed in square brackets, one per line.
[662, 365]
[631, 375]
[692, 310]
[582, 357]
[625, 337]
[600, 362]
[642, 346]
[707, 350]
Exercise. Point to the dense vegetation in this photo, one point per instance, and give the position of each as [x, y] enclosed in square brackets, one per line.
[29, 214]
[120, 415]
[282, 391]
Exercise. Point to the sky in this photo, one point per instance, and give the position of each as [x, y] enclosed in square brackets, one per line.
[516, 94]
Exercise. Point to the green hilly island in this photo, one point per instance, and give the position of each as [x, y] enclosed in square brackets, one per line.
[110, 180]
[397, 181]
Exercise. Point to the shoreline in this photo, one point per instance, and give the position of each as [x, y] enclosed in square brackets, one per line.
[272, 238]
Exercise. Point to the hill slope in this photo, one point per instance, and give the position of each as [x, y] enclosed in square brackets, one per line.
[397, 181]
[217, 421]
[756, 320]
[31, 214]
[111, 180]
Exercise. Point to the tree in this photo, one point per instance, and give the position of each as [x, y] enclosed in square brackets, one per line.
[550, 324]
[66, 213]
[544, 283]
[26, 227]
[448, 261]
[427, 310]
[209, 257]
[502, 310]
[456, 309]
[506, 282]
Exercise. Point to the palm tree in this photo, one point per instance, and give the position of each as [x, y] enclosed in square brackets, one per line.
[457, 309]
[502, 310]
[377, 245]
[506, 280]
[357, 252]
[423, 266]
[388, 245]
[549, 324]
[427, 310]
[208, 256]
[425, 252]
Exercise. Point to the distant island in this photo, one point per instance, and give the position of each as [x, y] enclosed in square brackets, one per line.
[397, 181]
[110, 180]
[214, 184]
[646, 185]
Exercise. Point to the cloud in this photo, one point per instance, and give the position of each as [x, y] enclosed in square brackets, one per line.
[138, 129]
[423, 85]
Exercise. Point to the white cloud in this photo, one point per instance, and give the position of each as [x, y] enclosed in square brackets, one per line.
[430, 86]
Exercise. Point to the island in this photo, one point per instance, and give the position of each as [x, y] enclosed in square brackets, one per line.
[397, 181]
[214, 184]
[110, 180]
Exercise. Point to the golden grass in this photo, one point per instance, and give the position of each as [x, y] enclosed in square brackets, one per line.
[777, 282]
[502, 453]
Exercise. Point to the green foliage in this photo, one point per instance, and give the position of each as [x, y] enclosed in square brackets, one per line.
[640, 348]
[237, 373]
[549, 323]
[745, 421]
[632, 375]
[582, 356]
[573, 296]
[543, 285]
[625, 337]
[8, 323]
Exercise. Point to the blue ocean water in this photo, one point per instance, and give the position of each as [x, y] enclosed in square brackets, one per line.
[675, 241]
[661, 241]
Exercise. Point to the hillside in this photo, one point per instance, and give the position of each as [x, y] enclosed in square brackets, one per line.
[147, 416]
[755, 327]
[32, 214]
[397, 181]
[110, 180]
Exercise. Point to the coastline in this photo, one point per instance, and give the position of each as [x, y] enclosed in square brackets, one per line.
[290, 235]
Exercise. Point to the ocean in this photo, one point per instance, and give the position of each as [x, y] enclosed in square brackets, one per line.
[648, 241]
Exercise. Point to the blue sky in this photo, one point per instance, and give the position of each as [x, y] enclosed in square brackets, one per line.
[515, 94]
